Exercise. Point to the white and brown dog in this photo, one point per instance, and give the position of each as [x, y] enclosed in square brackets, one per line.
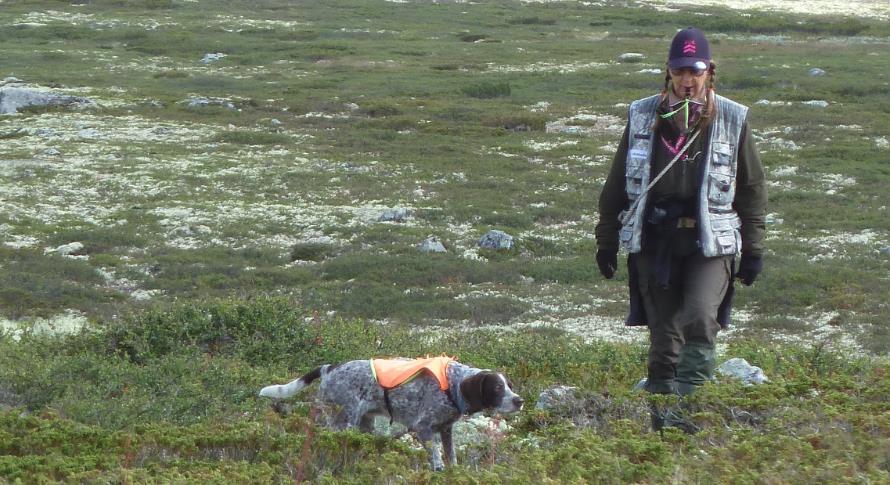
[429, 401]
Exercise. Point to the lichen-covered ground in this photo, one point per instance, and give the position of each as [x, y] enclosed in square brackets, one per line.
[250, 151]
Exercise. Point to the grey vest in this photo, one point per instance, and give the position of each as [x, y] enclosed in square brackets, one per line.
[717, 221]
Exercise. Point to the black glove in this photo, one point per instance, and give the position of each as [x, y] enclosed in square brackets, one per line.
[607, 260]
[749, 268]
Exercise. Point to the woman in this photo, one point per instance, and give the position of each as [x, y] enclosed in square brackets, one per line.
[685, 194]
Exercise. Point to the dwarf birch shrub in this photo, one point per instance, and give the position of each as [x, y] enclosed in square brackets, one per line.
[487, 90]
[172, 393]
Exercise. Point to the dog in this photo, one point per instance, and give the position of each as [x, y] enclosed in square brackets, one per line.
[429, 402]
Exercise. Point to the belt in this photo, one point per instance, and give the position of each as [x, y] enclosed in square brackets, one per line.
[686, 222]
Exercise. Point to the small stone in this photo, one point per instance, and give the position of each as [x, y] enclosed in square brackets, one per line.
[631, 57]
[199, 102]
[773, 219]
[394, 215]
[495, 239]
[739, 368]
[66, 250]
[817, 72]
[816, 103]
[556, 397]
[432, 245]
[885, 251]
[208, 58]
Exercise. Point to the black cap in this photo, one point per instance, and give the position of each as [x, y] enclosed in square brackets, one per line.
[689, 49]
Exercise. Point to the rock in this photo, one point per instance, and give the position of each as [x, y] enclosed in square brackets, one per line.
[9, 399]
[817, 72]
[15, 96]
[143, 295]
[766, 102]
[275, 122]
[495, 239]
[649, 71]
[540, 107]
[739, 368]
[557, 397]
[885, 251]
[200, 102]
[773, 219]
[589, 124]
[631, 57]
[66, 250]
[394, 215]
[478, 432]
[432, 245]
[472, 432]
[208, 58]
[816, 103]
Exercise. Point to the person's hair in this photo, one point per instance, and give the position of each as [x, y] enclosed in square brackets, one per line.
[710, 110]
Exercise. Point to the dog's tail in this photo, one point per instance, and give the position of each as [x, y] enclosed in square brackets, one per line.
[293, 387]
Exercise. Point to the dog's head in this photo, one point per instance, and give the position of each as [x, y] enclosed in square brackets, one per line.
[490, 390]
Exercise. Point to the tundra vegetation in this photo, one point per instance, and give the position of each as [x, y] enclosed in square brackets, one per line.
[227, 209]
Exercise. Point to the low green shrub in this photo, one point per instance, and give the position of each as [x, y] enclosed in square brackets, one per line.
[531, 21]
[487, 90]
[171, 393]
[311, 251]
[243, 137]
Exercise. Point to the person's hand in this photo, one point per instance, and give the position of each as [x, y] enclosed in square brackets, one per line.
[749, 268]
[607, 260]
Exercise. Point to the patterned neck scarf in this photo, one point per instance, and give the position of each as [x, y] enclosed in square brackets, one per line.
[682, 116]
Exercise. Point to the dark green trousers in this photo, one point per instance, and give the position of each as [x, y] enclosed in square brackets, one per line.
[683, 316]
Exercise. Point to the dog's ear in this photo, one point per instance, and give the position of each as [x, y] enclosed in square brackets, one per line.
[482, 391]
[492, 390]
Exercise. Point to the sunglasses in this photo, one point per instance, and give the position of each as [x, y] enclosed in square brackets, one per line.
[688, 70]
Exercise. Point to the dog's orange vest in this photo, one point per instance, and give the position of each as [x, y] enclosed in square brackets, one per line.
[391, 373]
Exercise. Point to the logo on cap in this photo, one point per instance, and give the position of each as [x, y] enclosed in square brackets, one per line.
[689, 48]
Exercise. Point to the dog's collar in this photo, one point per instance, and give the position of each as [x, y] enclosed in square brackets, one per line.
[457, 372]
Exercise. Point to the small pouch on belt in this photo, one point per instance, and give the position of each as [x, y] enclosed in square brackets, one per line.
[686, 222]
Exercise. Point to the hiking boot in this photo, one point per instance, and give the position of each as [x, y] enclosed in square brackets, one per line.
[671, 417]
[695, 367]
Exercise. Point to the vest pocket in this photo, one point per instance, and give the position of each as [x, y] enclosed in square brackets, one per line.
[721, 158]
[634, 187]
[721, 188]
[625, 235]
[727, 244]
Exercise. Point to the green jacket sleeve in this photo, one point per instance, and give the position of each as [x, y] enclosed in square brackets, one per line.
[613, 200]
[750, 195]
